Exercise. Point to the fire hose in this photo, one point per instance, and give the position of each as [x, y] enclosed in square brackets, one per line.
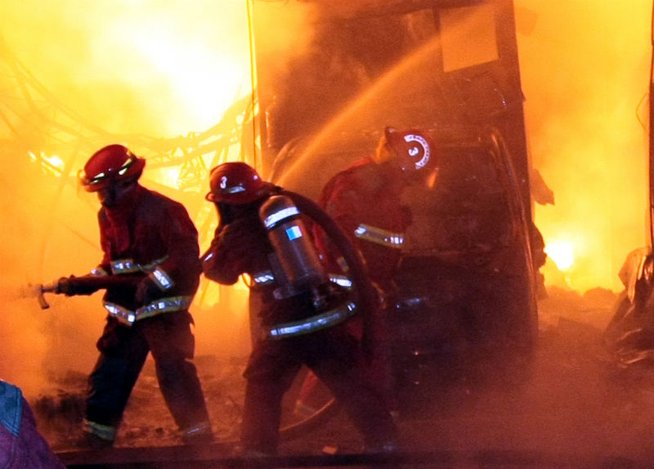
[84, 285]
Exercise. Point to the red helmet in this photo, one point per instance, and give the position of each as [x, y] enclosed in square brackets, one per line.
[414, 148]
[236, 183]
[110, 164]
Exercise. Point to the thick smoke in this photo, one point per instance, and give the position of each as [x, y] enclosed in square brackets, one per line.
[585, 72]
[116, 72]
[150, 67]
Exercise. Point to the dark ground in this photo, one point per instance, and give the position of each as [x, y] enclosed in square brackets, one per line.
[577, 408]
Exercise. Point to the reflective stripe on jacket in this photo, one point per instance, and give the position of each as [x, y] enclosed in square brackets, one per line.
[160, 306]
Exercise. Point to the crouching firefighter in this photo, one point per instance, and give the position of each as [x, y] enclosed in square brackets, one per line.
[263, 232]
[149, 241]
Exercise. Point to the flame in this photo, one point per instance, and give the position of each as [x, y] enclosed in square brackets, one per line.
[585, 75]
[562, 254]
[163, 69]
[168, 177]
[202, 81]
[146, 67]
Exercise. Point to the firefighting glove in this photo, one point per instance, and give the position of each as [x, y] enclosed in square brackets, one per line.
[237, 232]
[71, 286]
[147, 291]
[241, 238]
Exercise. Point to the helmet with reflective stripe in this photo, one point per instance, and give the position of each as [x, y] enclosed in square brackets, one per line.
[236, 183]
[413, 148]
[109, 165]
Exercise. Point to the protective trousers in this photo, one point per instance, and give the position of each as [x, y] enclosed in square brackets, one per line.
[123, 353]
[335, 357]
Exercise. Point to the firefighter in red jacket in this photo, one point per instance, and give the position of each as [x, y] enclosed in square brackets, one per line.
[151, 238]
[303, 318]
[365, 200]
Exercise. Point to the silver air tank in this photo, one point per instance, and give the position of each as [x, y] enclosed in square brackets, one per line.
[293, 246]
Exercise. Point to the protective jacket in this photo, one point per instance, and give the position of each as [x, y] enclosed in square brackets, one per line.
[155, 238]
[364, 200]
[241, 246]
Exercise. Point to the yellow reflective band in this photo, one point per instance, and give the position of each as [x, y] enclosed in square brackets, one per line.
[162, 279]
[263, 278]
[126, 266]
[163, 305]
[314, 323]
[122, 314]
[379, 236]
[202, 428]
[99, 272]
[106, 432]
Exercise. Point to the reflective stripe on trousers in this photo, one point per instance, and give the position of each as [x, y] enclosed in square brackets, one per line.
[106, 432]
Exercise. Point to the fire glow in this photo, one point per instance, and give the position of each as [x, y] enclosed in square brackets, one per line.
[561, 253]
[154, 68]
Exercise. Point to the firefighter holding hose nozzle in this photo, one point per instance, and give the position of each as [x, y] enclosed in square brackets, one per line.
[262, 233]
[150, 270]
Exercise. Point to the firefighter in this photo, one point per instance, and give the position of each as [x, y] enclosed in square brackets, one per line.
[303, 316]
[149, 237]
[365, 200]
[21, 444]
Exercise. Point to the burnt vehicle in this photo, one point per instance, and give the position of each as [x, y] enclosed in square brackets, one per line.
[449, 67]
[629, 335]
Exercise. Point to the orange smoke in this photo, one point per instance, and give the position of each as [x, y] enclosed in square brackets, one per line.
[114, 71]
[585, 75]
[135, 69]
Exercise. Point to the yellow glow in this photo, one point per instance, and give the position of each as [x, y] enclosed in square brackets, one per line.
[54, 160]
[588, 136]
[562, 253]
[136, 67]
[204, 85]
[147, 67]
[52, 163]
[166, 176]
